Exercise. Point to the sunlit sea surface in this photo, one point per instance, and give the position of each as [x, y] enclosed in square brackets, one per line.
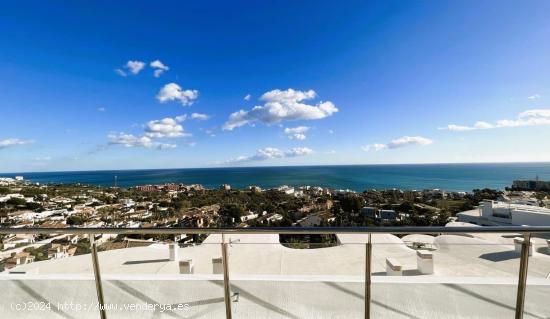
[451, 177]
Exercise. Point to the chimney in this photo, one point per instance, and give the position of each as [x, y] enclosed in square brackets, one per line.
[174, 250]
[217, 266]
[186, 266]
[425, 262]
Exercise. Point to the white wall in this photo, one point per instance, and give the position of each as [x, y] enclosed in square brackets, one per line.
[530, 218]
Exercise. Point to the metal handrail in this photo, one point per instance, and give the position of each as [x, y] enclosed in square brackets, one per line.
[282, 230]
[525, 231]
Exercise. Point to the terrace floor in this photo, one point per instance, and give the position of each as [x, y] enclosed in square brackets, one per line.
[475, 277]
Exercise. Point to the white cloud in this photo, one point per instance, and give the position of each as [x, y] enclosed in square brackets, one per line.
[330, 131]
[121, 72]
[199, 116]
[271, 153]
[479, 125]
[157, 73]
[135, 66]
[296, 133]
[298, 151]
[282, 106]
[375, 147]
[13, 142]
[409, 140]
[236, 119]
[181, 118]
[101, 109]
[398, 143]
[153, 131]
[129, 140]
[534, 117]
[535, 113]
[533, 97]
[456, 128]
[247, 97]
[165, 128]
[159, 67]
[210, 132]
[173, 92]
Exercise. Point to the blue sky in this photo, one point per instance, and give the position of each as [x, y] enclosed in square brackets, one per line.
[353, 82]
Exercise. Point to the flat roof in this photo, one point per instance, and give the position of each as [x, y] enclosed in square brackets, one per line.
[261, 254]
[475, 277]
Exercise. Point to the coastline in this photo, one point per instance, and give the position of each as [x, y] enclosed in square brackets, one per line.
[449, 177]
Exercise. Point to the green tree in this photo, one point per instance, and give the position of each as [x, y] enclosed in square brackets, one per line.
[75, 220]
[231, 214]
[16, 201]
[443, 217]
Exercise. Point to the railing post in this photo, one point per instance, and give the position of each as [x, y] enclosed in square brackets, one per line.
[522, 281]
[226, 285]
[368, 273]
[97, 275]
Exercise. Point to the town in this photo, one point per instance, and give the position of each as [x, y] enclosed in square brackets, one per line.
[25, 204]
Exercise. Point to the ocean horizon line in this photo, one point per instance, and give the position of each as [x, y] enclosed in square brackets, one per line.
[270, 166]
[450, 177]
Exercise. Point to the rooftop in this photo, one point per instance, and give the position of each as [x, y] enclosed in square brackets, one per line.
[271, 280]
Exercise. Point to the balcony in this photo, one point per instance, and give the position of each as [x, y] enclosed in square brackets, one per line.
[440, 272]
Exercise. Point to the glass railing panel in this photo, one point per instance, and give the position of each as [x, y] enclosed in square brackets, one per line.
[538, 278]
[161, 276]
[276, 276]
[414, 276]
[445, 276]
[47, 276]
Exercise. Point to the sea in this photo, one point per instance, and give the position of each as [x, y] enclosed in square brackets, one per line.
[450, 177]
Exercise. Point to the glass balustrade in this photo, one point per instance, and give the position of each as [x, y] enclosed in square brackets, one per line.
[47, 276]
[414, 275]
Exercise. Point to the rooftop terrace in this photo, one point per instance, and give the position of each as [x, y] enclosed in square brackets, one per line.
[476, 274]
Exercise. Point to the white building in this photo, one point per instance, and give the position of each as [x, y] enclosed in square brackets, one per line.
[6, 181]
[249, 216]
[491, 213]
[19, 239]
[127, 202]
[7, 197]
[274, 217]
[58, 251]
[48, 213]
[286, 189]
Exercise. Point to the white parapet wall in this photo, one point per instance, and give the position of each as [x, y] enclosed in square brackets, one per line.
[425, 262]
[393, 267]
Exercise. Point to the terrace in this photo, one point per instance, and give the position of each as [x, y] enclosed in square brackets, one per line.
[418, 272]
